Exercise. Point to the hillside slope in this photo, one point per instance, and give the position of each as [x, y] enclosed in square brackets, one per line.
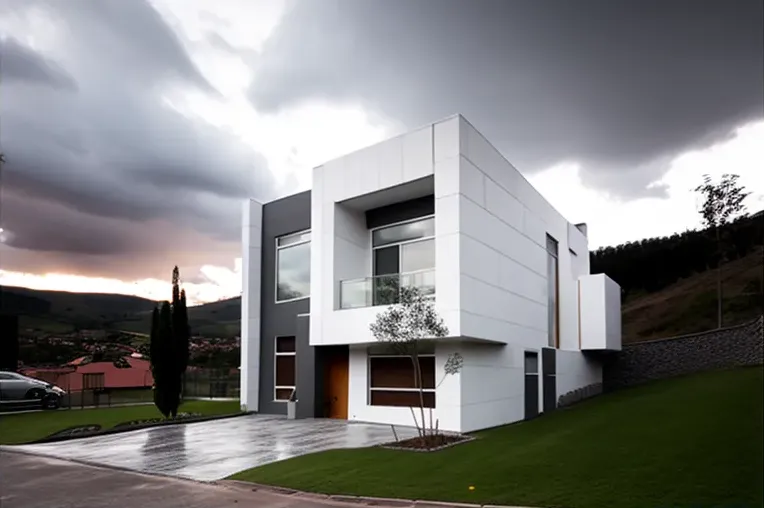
[689, 305]
[62, 311]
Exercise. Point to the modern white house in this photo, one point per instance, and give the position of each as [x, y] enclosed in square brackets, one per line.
[442, 209]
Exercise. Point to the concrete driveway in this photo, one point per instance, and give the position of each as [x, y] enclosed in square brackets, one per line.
[213, 450]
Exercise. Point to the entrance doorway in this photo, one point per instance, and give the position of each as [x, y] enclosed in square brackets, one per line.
[531, 384]
[336, 382]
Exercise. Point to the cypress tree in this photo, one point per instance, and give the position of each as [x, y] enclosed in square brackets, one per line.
[169, 349]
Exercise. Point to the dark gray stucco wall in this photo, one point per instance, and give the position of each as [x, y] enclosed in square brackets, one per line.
[282, 217]
[735, 346]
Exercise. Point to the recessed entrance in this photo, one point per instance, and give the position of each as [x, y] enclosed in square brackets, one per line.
[336, 382]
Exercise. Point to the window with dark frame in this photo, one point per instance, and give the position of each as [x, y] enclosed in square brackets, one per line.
[284, 367]
[553, 292]
[392, 381]
[403, 254]
[293, 267]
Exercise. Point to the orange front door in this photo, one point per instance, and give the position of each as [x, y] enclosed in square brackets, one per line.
[337, 385]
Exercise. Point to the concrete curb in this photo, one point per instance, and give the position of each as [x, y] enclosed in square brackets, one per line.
[355, 500]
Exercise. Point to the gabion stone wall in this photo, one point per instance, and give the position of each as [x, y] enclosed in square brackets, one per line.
[735, 346]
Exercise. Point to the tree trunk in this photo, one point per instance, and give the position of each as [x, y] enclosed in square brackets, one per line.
[418, 384]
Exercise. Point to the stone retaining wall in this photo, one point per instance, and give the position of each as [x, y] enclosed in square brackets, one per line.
[735, 346]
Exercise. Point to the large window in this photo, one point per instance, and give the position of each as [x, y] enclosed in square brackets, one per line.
[293, 267]
[403, 254]
[392, 381]
[553, 291]
[284, 375]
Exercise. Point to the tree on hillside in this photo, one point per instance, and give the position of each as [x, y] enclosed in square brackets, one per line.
[168, 349]
[402, 326]
[722, 202]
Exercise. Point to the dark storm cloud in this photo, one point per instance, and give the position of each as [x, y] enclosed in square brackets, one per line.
[620, 86]
[107, 166]
[21, 64]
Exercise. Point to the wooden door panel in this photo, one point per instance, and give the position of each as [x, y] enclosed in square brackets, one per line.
[337, 386]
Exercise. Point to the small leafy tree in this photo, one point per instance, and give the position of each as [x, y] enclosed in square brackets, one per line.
[168, 349]
[402, 326]
[722, 202]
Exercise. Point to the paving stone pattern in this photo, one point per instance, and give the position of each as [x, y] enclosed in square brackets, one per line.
[735, 346]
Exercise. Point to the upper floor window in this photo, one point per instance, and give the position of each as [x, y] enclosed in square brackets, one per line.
[293, 267]
[403, 254]
[553, 291]
[399, 233]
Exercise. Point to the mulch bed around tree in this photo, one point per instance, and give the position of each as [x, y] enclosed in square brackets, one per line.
[147, 421]
[428, 443]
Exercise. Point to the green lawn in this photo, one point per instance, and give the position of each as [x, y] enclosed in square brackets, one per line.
[689, 442]
[27, 427]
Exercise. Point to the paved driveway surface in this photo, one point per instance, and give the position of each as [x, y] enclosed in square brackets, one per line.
[216, 449]
[40, 482]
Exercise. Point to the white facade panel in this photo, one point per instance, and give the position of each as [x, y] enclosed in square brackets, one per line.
[493, 384]
[613, 329]
[251, 272]
[600, 299]
[574, 371]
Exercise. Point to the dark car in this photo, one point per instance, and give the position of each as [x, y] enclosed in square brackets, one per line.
[17, 389]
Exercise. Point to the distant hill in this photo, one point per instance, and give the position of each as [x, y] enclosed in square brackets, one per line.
[62, 312]
[215, 319]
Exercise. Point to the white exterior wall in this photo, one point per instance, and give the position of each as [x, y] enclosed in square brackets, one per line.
[491, 274]
[503, 282]
[251, 271]
[503, 225]
[574, 370]
[492, 386]
[341, 244]
[600, 312]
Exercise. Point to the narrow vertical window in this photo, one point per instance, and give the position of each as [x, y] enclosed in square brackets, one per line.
[552, 274]
[286, 351]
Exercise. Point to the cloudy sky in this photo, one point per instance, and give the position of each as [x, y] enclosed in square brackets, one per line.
[134, 129]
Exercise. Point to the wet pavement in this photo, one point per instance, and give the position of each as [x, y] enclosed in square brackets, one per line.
[40, 482]
[216, 449]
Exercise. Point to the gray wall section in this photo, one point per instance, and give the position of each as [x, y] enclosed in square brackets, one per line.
[399, 212]
[282, 217]
[549, 381]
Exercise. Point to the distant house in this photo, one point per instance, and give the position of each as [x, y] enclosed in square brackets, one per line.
[69, 377]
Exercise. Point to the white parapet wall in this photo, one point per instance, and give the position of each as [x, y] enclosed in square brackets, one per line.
[251, 272]
[600, 312]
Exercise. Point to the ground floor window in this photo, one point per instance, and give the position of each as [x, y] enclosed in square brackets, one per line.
[392, 381]
[286, 352]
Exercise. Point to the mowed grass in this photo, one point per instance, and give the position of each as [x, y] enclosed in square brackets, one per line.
[692, 441]
[28, 427]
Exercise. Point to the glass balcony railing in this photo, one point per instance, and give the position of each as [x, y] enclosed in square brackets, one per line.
[384, 289]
